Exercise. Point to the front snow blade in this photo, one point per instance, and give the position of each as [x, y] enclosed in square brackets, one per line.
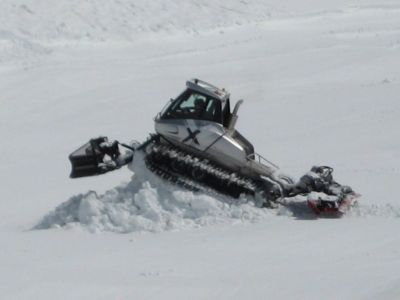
[98, 156]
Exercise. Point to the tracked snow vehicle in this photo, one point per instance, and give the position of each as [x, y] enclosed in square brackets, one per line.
[197, 146]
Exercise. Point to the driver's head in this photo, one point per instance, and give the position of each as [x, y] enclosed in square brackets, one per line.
[199, 104]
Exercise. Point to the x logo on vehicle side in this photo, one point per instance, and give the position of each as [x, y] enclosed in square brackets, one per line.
[192, 136]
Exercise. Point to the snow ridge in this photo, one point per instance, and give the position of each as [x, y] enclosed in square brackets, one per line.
[147, 203]
[29, 28]
[122, 19]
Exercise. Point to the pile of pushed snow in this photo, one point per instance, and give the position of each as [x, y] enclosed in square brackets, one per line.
[147, 203]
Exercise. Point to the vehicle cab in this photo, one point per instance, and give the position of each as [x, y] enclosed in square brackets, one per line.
[200, 120]
[200, 101]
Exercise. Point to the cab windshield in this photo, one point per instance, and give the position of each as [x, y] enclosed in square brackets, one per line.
[194, 105]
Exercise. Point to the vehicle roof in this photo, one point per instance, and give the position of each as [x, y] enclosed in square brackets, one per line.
[208, 89]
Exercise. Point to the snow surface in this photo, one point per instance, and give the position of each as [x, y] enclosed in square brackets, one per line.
[321, 83]
[147, 203]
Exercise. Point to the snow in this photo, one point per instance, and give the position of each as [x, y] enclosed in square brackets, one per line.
[148, 204]
[320, 81]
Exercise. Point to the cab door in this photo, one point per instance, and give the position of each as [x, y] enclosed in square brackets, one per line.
[193, 120]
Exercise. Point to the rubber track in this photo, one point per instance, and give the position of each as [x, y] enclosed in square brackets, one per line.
[160, 159]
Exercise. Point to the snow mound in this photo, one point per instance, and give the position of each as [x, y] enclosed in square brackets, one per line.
[147, 203]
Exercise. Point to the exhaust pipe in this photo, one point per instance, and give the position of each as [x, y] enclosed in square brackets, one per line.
[234, 116]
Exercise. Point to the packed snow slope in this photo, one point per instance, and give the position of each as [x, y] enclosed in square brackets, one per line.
[321, 83]
[31, 28]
